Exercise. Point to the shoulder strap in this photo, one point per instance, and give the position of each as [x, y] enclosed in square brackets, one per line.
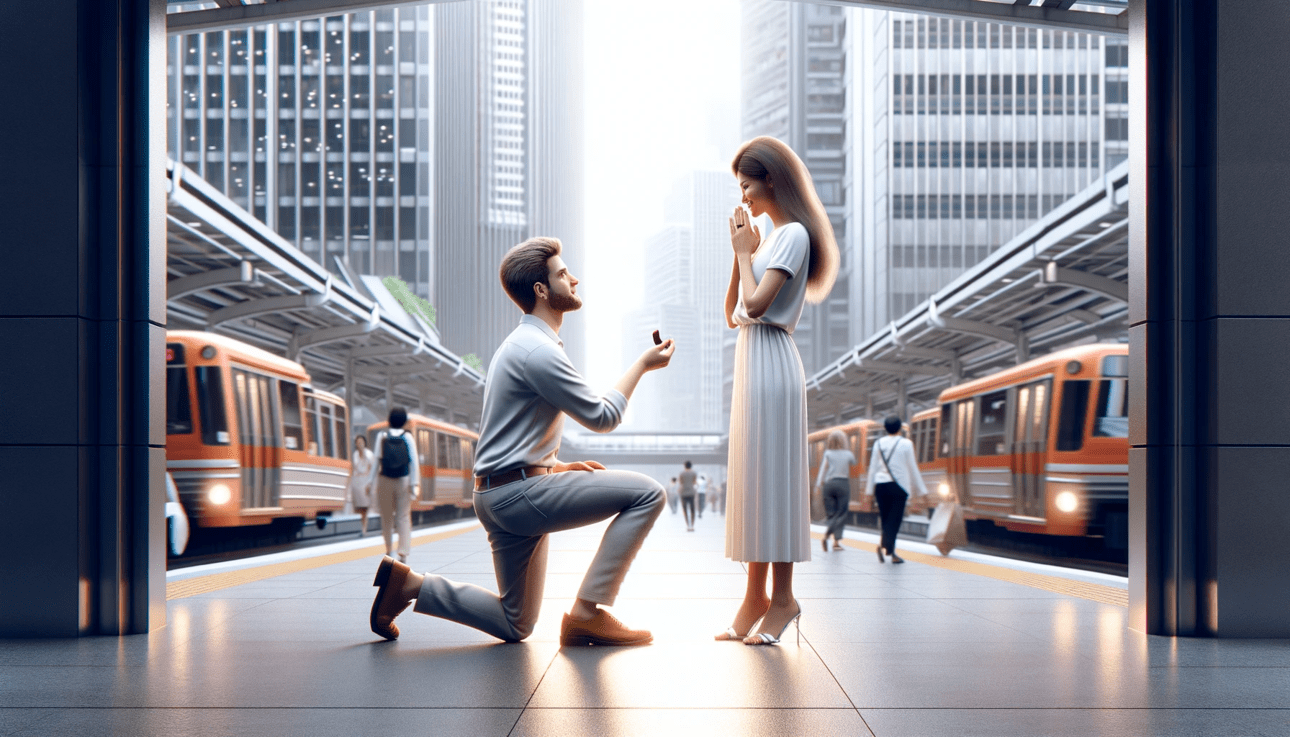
[885, 460]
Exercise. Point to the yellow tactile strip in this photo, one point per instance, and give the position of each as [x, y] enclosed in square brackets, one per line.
[1056, 584]
[216, 581]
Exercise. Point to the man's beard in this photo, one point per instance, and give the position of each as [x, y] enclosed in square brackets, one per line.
[565, 302]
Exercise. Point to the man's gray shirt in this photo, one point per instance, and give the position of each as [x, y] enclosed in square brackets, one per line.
[530, 386]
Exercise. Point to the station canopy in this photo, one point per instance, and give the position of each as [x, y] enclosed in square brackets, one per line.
[230, 273]
[1092, 16]
[1063, 281]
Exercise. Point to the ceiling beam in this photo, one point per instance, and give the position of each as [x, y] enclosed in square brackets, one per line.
[241, 16]
[1110, 24]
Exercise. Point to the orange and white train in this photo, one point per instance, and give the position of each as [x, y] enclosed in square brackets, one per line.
[248, 439]
[445, 454]
[1040, 448]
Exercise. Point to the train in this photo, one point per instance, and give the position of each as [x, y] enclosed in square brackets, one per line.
[1040, 448]
[445, 455]
[251, 442]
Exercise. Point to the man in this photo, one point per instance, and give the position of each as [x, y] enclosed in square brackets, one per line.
[398, 482]
[689, 481]
[523, 492]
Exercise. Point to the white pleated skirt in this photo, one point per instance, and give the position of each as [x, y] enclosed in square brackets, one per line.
[768, 508]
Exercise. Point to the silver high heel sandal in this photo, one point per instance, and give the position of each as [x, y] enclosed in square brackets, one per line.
[765, 638]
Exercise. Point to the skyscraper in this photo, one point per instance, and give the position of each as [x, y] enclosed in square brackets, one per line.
[973, 131]
[509, 157]
[319, 127]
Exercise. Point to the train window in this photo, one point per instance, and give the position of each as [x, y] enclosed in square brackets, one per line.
[442, 459]
[311, 422]
[1070, 426]
[1112, 418]
[210, 405]
[272, 423]
[933, 442]
[326, 439]
[293, 432]
[423, 448]
[1115, 366]
[467, 454]
[245, 428]
[994, 418]
[342, 432]
[179, 410]
[454, 452]
[947, 422]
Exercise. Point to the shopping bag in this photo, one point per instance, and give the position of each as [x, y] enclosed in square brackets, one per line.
[947, 529]
[817, 503]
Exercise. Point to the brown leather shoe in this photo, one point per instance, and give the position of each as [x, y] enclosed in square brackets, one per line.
[389, 602]
[602, 629]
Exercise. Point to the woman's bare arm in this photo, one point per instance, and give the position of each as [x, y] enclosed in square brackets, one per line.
[732, 294]
[758, 297]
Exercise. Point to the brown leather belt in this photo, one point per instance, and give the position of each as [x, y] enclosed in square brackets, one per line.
[484, 483]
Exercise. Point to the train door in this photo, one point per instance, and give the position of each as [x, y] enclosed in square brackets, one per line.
[991, 473]
[859, 475]
[1029, 448]
[259, 439]
[425, 453]
[958, 464]
[466, 461]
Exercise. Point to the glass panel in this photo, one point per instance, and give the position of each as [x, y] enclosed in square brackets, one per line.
[210, 405]
[441, 450]
[179, 411]
[293, 433]
[1070, 428]
[994, 417]
[1115, 366]
[1022, 420]
[327, 445]
[342, 431]
[311, 422]
[1112, 418]
[947, 421]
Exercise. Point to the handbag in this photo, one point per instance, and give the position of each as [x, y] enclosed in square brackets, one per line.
[947, 530]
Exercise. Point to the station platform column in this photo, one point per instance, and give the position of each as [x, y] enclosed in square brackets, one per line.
[1209, 318]
[82, 317]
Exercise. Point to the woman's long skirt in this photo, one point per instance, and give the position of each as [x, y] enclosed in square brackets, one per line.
[768, 509]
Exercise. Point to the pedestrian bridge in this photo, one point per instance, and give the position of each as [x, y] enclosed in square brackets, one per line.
[631, 448]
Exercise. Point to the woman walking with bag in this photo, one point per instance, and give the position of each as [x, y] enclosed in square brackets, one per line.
[893, 467]
[768, 508]
[835, 478]
[362, 468]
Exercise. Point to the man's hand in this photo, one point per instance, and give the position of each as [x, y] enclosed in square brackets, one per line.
[577, 466]
[658, 356]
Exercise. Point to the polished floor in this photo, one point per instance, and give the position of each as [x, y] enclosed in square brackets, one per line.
[916, 649]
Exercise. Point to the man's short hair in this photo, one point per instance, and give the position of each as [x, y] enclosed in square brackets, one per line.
[687, 464]
[525, 265]
[892, 424]
[398, 417]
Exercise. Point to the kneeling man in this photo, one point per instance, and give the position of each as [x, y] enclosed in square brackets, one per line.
[523, 492]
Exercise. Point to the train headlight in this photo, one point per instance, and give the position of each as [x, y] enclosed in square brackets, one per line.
[1066, 501]
[943, 489]
[219, 494]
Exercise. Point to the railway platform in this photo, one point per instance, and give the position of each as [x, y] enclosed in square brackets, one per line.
[964, 645]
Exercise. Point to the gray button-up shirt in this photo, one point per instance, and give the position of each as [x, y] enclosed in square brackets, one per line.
[530, 386]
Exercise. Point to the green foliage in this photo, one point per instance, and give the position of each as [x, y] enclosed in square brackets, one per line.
[410, 301]
[471, 360]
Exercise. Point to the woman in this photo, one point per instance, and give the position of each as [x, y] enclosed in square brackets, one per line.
[360, 480]
[835, 477]
[893, 470]
[768, 508]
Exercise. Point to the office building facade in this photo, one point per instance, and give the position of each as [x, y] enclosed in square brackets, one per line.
[972, 132]
[509, 164]
[794, 88]
[321, 129]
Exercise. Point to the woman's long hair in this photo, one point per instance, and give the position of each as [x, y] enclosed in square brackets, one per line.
[765, 158]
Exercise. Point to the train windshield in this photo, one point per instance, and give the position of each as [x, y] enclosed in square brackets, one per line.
[179, 412]
[210, 405]
[1112, 419]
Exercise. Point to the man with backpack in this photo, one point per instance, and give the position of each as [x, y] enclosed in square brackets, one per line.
[398, 482]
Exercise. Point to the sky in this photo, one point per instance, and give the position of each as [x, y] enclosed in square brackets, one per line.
[662, 98]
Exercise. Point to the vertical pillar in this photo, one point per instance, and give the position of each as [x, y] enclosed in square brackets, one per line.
[82, 317]
[1209, 318]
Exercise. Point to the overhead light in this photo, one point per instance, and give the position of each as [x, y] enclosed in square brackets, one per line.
[1103, 225]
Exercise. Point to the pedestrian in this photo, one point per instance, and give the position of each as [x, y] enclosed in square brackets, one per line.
[361, 477]
[524, 492]
[702, 488]
[835, 480]
[893, 471]
[672, 495]
[768, 504]
[689, 481]
[398, 482]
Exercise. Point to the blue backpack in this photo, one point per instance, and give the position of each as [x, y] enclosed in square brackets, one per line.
[395, 461]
